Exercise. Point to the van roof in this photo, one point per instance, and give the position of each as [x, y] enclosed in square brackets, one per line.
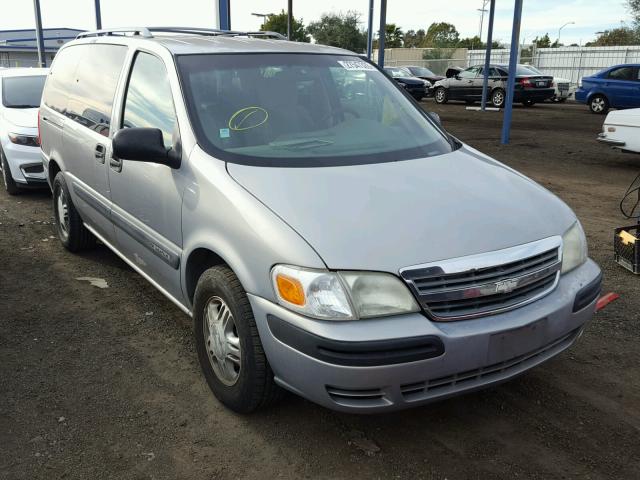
[185, 40]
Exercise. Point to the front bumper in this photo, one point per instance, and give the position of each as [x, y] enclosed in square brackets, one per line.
[25, 164]
[355, 367]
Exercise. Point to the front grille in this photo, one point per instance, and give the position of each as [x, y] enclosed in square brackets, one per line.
[485, 284]
[480, 376]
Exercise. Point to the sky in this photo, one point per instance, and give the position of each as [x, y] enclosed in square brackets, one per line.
[539, 16]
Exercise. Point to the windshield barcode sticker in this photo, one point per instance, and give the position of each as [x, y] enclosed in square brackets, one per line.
[355, 65]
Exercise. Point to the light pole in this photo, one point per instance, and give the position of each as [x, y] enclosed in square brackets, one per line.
[264, 16]
[560, 30]
[482, 11]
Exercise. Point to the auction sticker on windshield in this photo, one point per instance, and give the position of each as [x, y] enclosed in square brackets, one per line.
[355, 65]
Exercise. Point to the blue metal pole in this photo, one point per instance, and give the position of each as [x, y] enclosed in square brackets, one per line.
[98, 15]
[513, 64]
[382, 34]
[487, 57]
[370, 31]
[224, 14]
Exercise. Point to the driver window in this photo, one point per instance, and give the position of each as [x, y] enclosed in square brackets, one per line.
[470, 72]
[149, 102]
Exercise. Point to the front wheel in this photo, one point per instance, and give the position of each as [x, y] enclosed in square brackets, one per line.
[599, 104]
[9, 183]
[441, 96]
[229, 347]
[498, 98]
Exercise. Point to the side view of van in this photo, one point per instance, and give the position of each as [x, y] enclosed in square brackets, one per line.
[327, 236]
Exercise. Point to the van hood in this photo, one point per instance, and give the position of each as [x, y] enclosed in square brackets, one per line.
[22, 117]
[387, 216]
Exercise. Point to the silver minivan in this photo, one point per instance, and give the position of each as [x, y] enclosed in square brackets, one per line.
[327, 236]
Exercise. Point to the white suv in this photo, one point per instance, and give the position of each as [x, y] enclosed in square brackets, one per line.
[20, 160]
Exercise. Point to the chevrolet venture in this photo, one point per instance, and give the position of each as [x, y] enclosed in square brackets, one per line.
[327, 236]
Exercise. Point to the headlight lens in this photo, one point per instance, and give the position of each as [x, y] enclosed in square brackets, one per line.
[26, 140]
[341, 295]
[574, 248]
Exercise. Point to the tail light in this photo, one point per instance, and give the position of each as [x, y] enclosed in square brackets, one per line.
[39, 141]
[525, 82]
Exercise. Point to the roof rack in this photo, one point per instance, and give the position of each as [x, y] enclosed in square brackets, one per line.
[147, 32]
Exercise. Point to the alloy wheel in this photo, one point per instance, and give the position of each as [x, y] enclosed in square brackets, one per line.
[222, 341]
[598, 104]
[62, 213]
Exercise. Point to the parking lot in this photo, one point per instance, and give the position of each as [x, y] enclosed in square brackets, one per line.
[104, 382]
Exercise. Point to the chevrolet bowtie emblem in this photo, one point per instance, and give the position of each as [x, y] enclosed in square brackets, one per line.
[506, 286]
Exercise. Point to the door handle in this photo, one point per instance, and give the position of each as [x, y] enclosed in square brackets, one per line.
[100, 152]
[115, 164]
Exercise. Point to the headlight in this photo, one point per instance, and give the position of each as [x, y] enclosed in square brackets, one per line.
[574, 248]
[341, 295]
[26, 140]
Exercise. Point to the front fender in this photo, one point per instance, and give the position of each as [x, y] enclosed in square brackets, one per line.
[221, 216]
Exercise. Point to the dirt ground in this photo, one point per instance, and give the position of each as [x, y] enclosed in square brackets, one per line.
[104, 383]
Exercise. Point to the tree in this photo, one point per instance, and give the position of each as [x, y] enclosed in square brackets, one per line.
[278, 23]
[634, 6]
[617, 37]
[542, 42]
[339, 30]
[442, 35]
[477, 44]
[393, 36]
[413, 39]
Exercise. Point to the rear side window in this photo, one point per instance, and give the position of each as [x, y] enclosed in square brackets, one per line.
[149, 103]
[622, 73]
[62, 78]
[96, 80]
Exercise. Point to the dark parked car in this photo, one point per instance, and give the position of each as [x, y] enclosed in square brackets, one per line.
[424, 73]
[414, 86]
[617, 87]
[466, 85]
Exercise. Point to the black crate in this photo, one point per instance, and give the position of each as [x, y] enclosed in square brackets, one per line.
[627, 255]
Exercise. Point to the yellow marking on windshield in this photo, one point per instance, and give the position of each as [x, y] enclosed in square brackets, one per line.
[248, 118]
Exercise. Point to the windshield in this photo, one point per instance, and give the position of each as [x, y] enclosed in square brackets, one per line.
[22, 92]
[422, 72]
[532, 69]
[303, 110]
[398, 72]
[523, 70]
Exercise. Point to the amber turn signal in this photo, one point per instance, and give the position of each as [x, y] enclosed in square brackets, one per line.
[290, 289]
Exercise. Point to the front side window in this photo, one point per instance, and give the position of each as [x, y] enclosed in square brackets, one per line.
[149, 102]
[22, 92]
[302, 110]
[470, 72]
[623, 73]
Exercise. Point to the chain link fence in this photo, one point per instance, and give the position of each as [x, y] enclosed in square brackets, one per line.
[571, 63]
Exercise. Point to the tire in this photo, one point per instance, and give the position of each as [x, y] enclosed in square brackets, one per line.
[72, 233]
[441, 95]
[599, 104]
[498, 98]
[9, 183]
[528, 103]
[243, 380]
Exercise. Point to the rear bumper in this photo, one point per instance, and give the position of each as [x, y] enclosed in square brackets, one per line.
[581, 95]
[398, 362]
[602, 138]
[534, 94]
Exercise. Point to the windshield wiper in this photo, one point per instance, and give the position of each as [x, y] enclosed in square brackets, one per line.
[301, 144]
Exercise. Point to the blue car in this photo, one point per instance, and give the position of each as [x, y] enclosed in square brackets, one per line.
[615, 87]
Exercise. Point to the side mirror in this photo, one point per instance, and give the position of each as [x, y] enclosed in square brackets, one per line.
[435, 117]
[144, 145]
[457, 76]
